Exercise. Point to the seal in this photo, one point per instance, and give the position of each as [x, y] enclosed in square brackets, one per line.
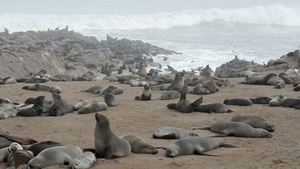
[55, 89]
[142, 70]
[211, 86]
[138, 145]
[93, 107]
[118, 90]
[213, 108]
[277, 82]
[177, 83]
[4, 100]
[7, 139]
[194, 145]
[94, 89]
[35, 110]
[238, 101]
[290, 102]
[146, 95]
[200, 90]
[7, 110]
[19, 157]
[83, 161]
[81, 104]
[36, 148]
[60, 107]
[276, 100]
[37, 87]
[109, 97]
[258, 80]
[237, 129]
[297, 88]
[254, 121]
[286, 79]
[55, 156]
[169, 95]
[261, 100]
[107, 144]
[171, 133]
[184, 106]
[5, 152]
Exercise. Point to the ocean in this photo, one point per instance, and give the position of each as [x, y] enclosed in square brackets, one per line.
[209, 34]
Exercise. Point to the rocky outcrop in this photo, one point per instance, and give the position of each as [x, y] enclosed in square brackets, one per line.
[61, 51]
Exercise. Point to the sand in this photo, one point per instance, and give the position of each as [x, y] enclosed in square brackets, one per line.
[143, 117]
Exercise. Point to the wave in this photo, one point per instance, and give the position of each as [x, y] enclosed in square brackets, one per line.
[272, 15]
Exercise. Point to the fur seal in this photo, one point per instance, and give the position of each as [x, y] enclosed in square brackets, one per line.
[146, 95]
[19, 157]
[200, 90]
[297, 88]
[37, 87]
[36, 148]
[169, 95]
[286, 79]
[211, 86]
[93, 107]
[142, 70]
[213, 108]
[238, 101]
[83, 161]
[60, 107]
[118, 90]
[258, 80]
[194, 145]
[138, 145]
[261, 100]
[177, 83]
[184, 106]
[94, 89]
[55, 89]
[35, 110]
[54, 156]
[277, 82]
[237, 129]
[171, 133]
[290, 102]
[254, 121]
[109, 97]
[7, 139]
[107, 144]
[7, 110]
[81, 104]
[5, 152]
[276, 100]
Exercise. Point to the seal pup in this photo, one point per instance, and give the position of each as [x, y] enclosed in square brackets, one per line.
[238, 101]
[107, 144]
[142, 70]
[109, 97]
[169, 95]
[83, 161]
[194, 145]
[59, 155]
[177, 83]
[184, 106]
[277, 82]
[93, 107]
[138, 145]
[94, 89]
[213, 108]
[276, 100]
[60, 107]
[55, 89]
[7, 139]
[19, 157]
[254, 121]
[171, 133]
[36, 148]
[37, 87]
[258, 80]
[6, 151]
[81, 104]
[290, 102]
[35, 110]
[237, 129]
[146, 95]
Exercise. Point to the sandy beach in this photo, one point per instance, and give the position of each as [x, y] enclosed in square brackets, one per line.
[143, 117]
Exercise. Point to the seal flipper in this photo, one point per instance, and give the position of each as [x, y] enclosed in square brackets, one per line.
[198, 151]
[198, 102]
[228, 145]
[11, 138]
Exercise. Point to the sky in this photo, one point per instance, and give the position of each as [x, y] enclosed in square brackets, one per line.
[126, 7]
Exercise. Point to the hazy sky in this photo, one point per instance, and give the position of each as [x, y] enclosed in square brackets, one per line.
[71, 7]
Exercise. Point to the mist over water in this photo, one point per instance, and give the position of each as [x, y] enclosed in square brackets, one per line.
[204, 32]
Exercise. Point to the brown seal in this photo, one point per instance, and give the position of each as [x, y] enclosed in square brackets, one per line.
[177, 83]
[254, 121]
[142, 70]
[146, 95]
[109, 97]
[107, 144]
[138, 145]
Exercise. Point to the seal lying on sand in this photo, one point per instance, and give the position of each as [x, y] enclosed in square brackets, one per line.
[93, 107]
[19, 157]
[36, 148]
[83, 161]
[60, 107]
[35, 110]
[5, 152]
[238, 101]
[138, 145]
[254, 121]
[171, 133]
[59, 155]
[238, 129]
[259, 80]
[171, 94]
[107, 144]
[213, 108]
[194, 145]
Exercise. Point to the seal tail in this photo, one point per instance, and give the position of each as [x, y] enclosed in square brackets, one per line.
[197, 128]
[228, 145]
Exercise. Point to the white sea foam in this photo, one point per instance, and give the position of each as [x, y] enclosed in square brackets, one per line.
[272, 15]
